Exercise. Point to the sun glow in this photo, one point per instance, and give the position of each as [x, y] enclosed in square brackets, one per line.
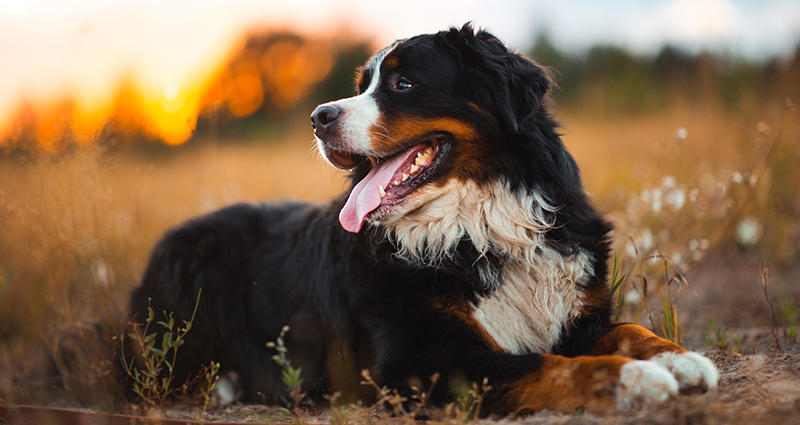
[265, 71]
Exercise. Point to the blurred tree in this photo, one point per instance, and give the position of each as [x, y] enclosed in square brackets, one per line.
[340, 82]
[616, 81]
[269, 77]
[272, 75]
[566, 71]
[673, 67]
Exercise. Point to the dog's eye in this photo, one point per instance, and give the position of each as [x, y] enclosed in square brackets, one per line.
[403, 84]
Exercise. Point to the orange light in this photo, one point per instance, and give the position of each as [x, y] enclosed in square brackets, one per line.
[282, 75]
[291, 69]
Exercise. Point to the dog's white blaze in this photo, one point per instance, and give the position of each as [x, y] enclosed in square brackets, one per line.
[542, 287]
[360, 114]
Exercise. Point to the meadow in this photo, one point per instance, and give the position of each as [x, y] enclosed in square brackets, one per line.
[705, 198]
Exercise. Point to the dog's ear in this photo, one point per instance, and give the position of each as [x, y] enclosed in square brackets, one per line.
[510, 86]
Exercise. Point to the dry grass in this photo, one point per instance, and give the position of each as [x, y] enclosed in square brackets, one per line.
[76, 228]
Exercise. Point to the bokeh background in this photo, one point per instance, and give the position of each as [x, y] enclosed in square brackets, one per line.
[120, 119]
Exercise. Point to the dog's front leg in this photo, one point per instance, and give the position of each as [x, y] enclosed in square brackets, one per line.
[693, 371]
[594, 383]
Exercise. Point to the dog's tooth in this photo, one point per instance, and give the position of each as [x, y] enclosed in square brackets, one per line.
[414, 168]
[405, 176]
[396, 182]
[381, 191]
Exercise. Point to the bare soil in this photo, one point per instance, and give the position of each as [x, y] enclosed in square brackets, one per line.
[761, 388]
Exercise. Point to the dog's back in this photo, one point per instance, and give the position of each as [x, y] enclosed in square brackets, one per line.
[260, 267]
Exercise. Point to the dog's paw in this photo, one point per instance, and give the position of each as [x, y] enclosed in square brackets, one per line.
[693, 371]
[644, 383]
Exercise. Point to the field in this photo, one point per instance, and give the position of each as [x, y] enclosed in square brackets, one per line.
[706, 203]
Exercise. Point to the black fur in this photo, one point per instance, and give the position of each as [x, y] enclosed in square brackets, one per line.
[350, 303]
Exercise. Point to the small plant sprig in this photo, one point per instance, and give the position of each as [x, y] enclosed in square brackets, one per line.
[391, 397]
[668, 324]
[148, 382]
[616, 285]
[475, 401]
[765, 270]
[212, 376]
[466, 409]
[717, 338]
[341, 415]
[290, 375]
[789, 319]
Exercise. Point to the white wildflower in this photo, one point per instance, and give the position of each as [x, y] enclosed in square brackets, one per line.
[748, 231]
[632, 297]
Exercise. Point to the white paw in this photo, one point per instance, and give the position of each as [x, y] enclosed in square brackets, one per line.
[644, 383]
[693, 371]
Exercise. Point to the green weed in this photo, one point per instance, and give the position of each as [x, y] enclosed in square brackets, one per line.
[212, 376]
[789, 319]
[616, 285]
[148, 381]
[290, 375]
[668, 318]
[716, 337]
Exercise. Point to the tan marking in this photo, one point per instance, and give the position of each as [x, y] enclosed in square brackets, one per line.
[389, 134]
[474, 154]
[475, 106]
[634, 341]
[567, 384]
[391, 62]
[593, 299]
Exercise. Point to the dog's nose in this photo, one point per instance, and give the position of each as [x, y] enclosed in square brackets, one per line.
[323, 117]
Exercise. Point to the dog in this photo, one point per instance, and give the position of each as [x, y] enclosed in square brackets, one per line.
[466, 248]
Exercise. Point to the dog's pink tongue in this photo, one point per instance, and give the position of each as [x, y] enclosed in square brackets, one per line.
[365, 197]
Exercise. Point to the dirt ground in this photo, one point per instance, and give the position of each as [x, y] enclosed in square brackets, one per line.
[759, 383]
[761, 388]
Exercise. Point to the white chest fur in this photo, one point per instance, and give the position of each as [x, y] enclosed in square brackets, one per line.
[541, 287]
[527, 313]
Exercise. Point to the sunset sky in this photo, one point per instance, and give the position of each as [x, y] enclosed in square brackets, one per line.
[82, 48]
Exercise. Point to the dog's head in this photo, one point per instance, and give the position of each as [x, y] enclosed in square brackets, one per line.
[447, 138]
[430, 109]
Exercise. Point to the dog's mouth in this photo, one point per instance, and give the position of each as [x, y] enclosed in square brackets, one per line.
[391, 180]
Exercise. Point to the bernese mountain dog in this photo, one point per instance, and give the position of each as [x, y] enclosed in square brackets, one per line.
[466, 247]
